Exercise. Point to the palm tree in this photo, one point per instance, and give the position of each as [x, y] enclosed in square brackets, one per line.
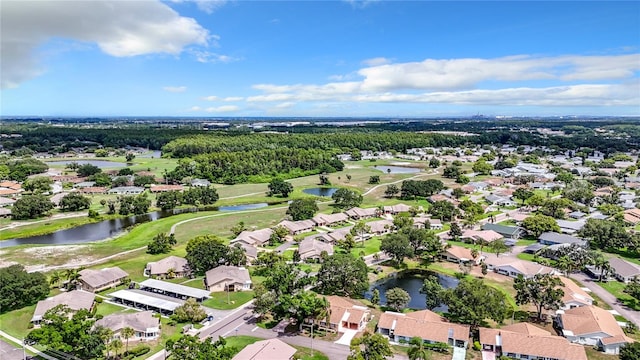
[602, 263]
[55, 278]
[474, 253]
[116, 345]
[417, 351]
[565, 264]
[171, 273]
[127, 333]
[72, 276]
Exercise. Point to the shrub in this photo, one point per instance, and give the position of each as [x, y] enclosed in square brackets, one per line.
[476, 345]
[139, 350]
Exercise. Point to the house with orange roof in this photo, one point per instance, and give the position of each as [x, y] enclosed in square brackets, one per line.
[526, 341]
[461, 255]
[486, 236]
[573, 296]
[591, 325]
[632, 216]
[344, 314]
[425, 324]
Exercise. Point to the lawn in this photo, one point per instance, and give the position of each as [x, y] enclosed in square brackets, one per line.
[524, 256]
[105, 309]
[616, 289]
[371, 246]
[228, 300]
[16, 323]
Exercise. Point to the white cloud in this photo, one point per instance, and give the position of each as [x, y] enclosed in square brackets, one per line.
[211, 98]
[209, 6]
[222, 109]
[568, 81]
[175, 89]
[285, 105]
[233, 98]
[204, 56]
[119, 28]
[195, 108]
[376, 61]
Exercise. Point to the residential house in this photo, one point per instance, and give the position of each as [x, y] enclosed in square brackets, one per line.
[435, 224]
[200, 183]
[334, 236]
[357, 213]
[312, 249]
[345, 314]
[526, 341]
[486, 236]
[573, 296]
[253, 238]
[98, 280]
[94, 190]
[10, 188]
[165, 188]
[75, 300]
[553, 238]
[421, 221]
[6, 201]
[330, 219]
[499, 200]
[514, 267]
[461, 255]
[227, 278]
[425, 324]
[591, 325]
[478, 185]
[126, 190]
[396, 209]
[145, 325]
[380, 227]
[272, 349]
[84, 184]
[570, 227]
[5, 213]
[178, 266]
[441, 197]
[508, 232]
[632, 216]
[251, 252]
[298, 227]
[577, 215]
[623, 270]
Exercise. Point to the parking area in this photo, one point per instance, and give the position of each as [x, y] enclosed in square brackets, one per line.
[10, 352]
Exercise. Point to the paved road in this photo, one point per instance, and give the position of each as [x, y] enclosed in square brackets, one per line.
[9, 352]
[30, 348]
[627, 313]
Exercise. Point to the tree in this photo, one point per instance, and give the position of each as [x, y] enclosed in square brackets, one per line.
[630, 351]
[536, 200]
[417, 351]
[602, 263]
[443, 210]
[324, 180]
[538, 224]
[38, 184]
[452, 172]
[457, 193]
[130, 156]
[370, 347]
[88, 170]
[20, 288]
[127, 333]
[360, 229]
[498, 247]
[280, 187]
[263, 300]
[302, 305]
[302, 209]
[555, 207]
[434, 163]
[192, 348]
[374, 179]
[205, 252]
[347, 243]
[403, 221]
[101, 179]
[471, 302]
[605, 234]
[375, 297]
[238, 228]
[397, 298]
[633, 288]
[31, 207]
[142, 180]
[116, 345]
[433, 291]
[542, 290]
[284, 278]
[343, 275]
[482, 167]
[125, 172]
[455, 232]
[161, 244]
[190, 311]
[296, 256]
[346, 198]
[72, 334]
[578, 190]
[74, 202]
[523, 194]
[168, 200]
[565, 177]
[391, 191]
[397, 246]
[54, 278]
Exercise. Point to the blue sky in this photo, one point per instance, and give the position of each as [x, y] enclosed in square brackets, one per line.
[319, 58]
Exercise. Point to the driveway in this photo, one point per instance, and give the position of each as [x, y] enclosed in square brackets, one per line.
[627, 313]
[346, 337]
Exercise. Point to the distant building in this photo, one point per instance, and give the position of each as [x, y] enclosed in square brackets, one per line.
[298, 227]
[253, 238]
[591, 325]
[75, 300]
[312, 249]
[553, 238]
[227, 278]
[426, 325]
[623, 270]
[98, 280]
[146, 327]
[160, 268]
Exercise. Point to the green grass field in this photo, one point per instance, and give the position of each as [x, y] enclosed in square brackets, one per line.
[228, 300]
[616, 288]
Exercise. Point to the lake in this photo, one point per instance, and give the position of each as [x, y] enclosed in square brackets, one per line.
[109, 228]
[320, 191]
[103, 164]
[411, 282]
[397, 169]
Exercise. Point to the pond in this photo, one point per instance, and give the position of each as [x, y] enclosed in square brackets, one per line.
[397, 169]
[103, 164]
[320, 191]
[411, 282]
[109, 228]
